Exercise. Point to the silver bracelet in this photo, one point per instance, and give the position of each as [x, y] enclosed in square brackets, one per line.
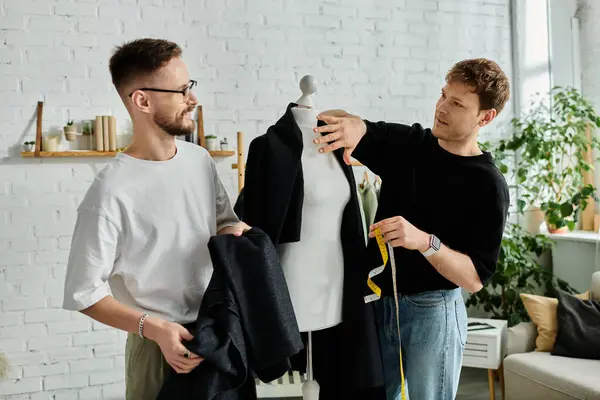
[141, 326]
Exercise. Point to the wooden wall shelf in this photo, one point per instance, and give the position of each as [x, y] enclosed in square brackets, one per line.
[240, 165]
[81, 153]
[226, 153]
[93, 153]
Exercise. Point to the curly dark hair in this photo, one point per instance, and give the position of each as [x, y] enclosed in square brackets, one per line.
[487, 79]
[139, 58]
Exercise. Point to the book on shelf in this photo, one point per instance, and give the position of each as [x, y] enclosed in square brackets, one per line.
[99, 133]
[105, 132]
[112, 133]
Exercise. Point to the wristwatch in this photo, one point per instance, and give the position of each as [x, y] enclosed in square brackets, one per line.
[434, 246]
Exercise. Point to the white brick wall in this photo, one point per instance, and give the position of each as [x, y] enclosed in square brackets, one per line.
[383, 60]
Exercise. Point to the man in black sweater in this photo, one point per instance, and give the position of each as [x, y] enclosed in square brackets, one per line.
[443, 206]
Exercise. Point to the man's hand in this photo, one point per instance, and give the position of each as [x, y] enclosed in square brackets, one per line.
[236, 230]
[168, 336]
[401, 233]
[343, 129]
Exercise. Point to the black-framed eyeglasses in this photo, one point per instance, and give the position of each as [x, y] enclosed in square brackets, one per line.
[185, 91]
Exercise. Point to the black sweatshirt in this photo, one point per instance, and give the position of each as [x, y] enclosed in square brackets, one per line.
[462, 200]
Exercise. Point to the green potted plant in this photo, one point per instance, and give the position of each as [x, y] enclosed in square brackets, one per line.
[28, 146]
[87, 128]
[212, 144]
[550, 143]
[517, 272]
[70, 131]
[224, 145]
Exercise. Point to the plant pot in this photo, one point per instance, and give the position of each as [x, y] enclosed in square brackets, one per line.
[212, 144]
[552, 228]
[70, 132]
[28, 147]
[534, 217]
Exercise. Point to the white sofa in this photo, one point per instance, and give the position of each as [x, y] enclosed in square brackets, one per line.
[530, 375]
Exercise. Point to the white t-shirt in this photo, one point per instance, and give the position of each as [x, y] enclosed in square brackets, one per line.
[142, 231]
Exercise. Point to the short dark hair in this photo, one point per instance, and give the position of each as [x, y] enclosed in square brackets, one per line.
[140, 57]
[486, 78]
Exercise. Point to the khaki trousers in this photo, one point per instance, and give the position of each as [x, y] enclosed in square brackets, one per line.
[145, 368]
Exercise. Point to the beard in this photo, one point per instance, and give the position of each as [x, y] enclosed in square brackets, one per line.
[441, 131]
[178, 126]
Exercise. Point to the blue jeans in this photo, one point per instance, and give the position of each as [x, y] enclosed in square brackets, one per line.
[433, 330]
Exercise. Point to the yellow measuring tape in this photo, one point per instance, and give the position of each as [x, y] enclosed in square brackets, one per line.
[387, 251]
[376, 271]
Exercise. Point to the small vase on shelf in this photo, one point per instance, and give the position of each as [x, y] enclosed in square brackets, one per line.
[70, 131]
[224, 145]
[212, 144]
[28, 146]
[51, 143]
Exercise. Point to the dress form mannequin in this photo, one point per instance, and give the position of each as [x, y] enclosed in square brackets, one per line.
[314, 266]
[283, 196]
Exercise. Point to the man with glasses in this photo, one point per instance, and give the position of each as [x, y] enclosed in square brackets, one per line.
[139, 260]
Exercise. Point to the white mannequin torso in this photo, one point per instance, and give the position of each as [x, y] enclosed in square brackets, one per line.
[314, 266]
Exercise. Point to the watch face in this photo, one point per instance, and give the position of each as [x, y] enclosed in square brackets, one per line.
[435, 242]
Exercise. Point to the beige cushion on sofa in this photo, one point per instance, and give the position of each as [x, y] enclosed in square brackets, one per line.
[542, 311]
[540, 375]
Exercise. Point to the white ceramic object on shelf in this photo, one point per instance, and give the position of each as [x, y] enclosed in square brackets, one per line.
[212, 144]
[224, 145]
[534, 217]
[51, 143]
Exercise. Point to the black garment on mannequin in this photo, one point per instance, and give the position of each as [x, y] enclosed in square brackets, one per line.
[272, 200]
